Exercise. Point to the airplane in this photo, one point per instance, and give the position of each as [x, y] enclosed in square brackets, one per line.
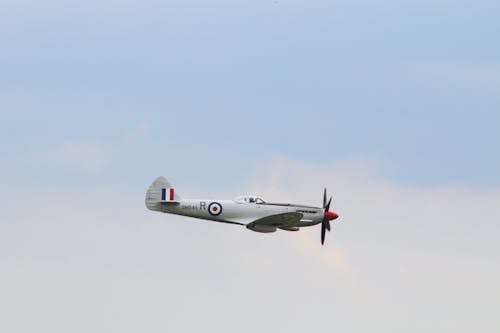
[247, 210]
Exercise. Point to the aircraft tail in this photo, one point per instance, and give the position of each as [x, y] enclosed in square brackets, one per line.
[161, 191]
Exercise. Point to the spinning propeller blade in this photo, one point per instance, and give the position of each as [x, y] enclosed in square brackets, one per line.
[329, 215]
[324, 198]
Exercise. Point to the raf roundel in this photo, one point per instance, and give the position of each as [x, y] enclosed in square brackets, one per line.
[215, 209]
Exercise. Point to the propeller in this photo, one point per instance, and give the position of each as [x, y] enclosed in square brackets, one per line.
[329, 216]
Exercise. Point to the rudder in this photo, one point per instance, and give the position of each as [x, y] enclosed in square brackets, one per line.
[160, 191]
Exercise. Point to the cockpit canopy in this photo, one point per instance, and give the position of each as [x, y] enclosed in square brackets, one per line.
[250, 199]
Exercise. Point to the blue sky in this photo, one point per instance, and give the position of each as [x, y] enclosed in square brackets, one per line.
[393, 105]
[413, 86]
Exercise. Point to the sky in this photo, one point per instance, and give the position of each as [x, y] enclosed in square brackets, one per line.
[393, 106]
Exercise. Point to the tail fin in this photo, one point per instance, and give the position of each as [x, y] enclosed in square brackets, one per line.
[160, 191]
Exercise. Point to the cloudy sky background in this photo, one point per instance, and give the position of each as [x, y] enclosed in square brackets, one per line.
[392, 105]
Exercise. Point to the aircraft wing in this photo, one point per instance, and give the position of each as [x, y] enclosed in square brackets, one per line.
[269, 223]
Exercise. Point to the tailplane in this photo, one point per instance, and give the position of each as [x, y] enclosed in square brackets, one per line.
[161, 191]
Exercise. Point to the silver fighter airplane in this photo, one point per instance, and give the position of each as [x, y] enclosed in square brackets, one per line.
[248, 210]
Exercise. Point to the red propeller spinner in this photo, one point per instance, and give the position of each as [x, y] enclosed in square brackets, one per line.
[331, 215]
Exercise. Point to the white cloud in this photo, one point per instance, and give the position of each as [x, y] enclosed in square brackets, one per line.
[75, 154]
[401, 247]
[402, 258]
[85, 155]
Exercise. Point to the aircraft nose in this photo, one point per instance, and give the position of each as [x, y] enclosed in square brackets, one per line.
[331, 215]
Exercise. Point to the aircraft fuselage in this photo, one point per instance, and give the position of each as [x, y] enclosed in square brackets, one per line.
[230, 211]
